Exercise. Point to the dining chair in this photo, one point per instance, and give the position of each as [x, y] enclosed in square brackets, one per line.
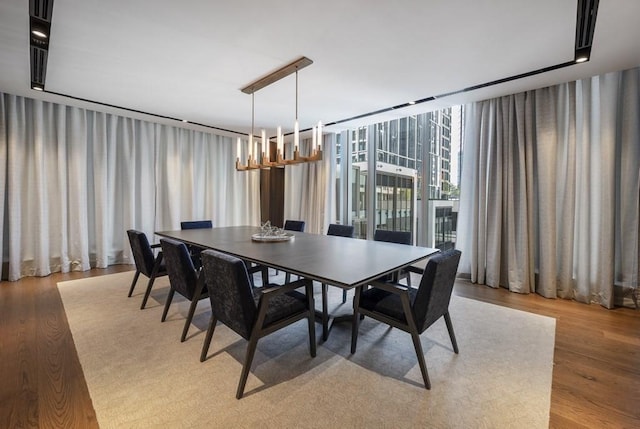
[338, 231]
[252, 313]
[146, 262]
[409, 309]
[399, 237]
[184, 278]
[196, 224]
[196, 250]
[292, 225]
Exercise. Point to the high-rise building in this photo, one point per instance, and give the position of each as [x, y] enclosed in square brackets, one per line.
[400, 142]
[412, 158]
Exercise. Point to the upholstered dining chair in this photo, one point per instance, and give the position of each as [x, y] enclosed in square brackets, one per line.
[252, 313]
[196, 250]
[146, 262]
[409, 309]
[196, 224]
[292, 225]
[339, 231]
[399, 237]
[184, 279]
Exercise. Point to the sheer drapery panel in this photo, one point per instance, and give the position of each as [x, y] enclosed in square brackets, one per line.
[550, 190]
[74, 180]
[309, 195]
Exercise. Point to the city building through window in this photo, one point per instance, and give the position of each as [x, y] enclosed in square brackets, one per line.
[403, 175]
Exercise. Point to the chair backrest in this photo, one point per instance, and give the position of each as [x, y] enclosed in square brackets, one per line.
[230, 291]
[294, 225]
[182, 274]
[400, 237]
[196, 224]
[436, 286]
[341, 230]
[142, 253]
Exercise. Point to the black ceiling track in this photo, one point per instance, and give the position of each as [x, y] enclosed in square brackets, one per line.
[41, 11]
[585, 27]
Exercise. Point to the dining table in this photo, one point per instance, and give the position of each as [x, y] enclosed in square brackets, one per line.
[339, 261]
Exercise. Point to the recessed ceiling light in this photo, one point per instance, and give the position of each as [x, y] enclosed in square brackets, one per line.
[184, 120]
[581, 59]
[412, 102]
[39, 33]
[37, 88]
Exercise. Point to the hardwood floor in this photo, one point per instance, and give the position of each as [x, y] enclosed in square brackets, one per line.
[596, 377]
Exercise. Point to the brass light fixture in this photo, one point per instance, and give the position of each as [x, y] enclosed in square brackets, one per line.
[265, 160]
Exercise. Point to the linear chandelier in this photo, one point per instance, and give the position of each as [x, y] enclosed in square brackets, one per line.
[262, 159]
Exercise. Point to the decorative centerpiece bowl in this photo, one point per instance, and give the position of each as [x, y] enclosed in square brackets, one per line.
[271, 233]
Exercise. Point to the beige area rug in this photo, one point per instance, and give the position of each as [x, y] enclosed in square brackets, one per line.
[141, 376]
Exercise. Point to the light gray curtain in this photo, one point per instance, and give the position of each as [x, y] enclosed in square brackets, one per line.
[308, 191]
[196, 179]
[550, 189]
[74, 180]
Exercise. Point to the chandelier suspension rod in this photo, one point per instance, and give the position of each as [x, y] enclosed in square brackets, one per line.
[252, 110]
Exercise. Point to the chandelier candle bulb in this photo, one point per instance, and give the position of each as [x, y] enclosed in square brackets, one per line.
[250, 146]
[319, 141]
[265, 148]
[239, 149]
[280, 140]
[296, 135]
[314, 139]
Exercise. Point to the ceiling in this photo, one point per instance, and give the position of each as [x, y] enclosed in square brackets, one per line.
[189, 59]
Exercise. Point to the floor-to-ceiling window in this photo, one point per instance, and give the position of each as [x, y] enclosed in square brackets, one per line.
[402, 175]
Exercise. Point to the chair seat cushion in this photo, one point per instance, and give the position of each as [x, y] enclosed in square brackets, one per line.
[283, 305]
[387, 303]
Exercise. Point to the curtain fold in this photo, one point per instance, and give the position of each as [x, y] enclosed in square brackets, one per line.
[306, 197]
[74, 180]
[550, 190]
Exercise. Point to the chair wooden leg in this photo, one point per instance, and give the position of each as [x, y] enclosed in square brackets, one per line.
[354, 331]
[265, 276]
[344, 296]
[325, 313]
[167, 304]
[356, 319]
[207, 340]
[251, 350]
[287, 278]
[133, 283]
[423, 367]
[148, 291]
[311, 320]
[187, 323]
[452, 335]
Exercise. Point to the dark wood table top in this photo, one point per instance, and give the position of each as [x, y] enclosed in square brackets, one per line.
[340, 261]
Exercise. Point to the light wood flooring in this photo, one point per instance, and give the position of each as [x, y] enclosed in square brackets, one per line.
[596, 376]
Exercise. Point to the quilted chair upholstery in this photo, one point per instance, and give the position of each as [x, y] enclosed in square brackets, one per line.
[412, 310]
[252, 313]
[183, 278]
[146, 262]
